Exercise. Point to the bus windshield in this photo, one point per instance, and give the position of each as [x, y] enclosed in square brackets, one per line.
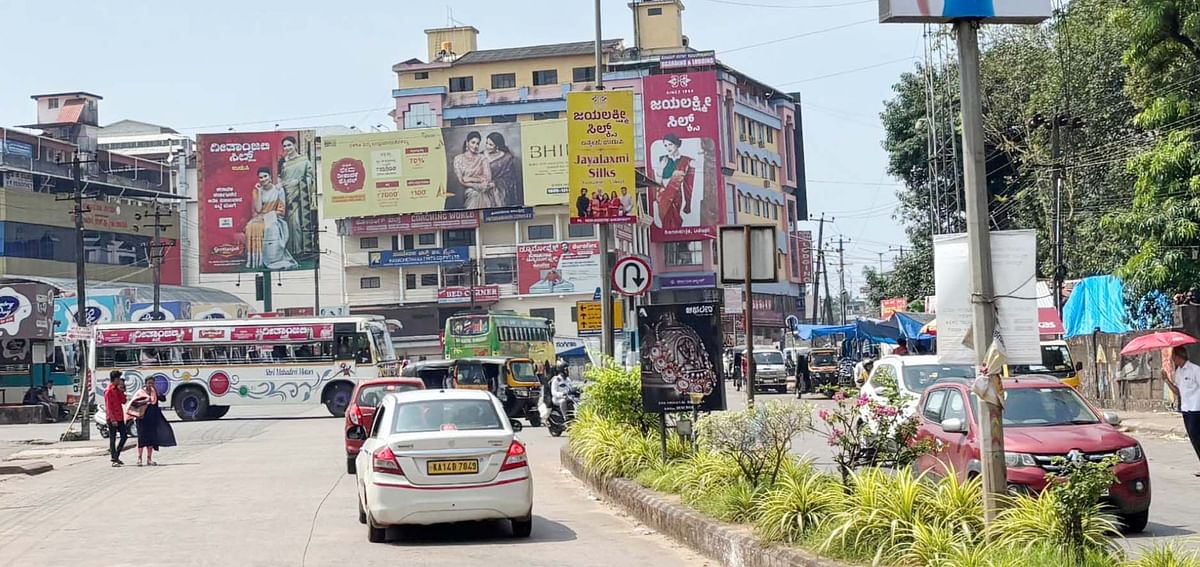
[469, 326]
[382, 342]
[1055, 358]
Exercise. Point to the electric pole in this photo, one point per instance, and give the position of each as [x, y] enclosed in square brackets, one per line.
[157, 251]
[842, 276]
[827, 309]
[316, 236]
[880, 262]
[899, 249]
[819, 266]
[81, 311]
[607, 346]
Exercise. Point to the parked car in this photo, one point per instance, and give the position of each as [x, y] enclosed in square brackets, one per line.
[770, 372]
[1056, 362]
[1044, 420]
[909, 376]
[439, 456]
[359, 416]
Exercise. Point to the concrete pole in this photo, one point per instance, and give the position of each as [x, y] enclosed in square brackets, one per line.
[748, 313]
[607, 346]
[991, 427]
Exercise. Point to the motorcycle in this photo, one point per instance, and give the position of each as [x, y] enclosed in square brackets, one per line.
[102, 425]
[556, 420]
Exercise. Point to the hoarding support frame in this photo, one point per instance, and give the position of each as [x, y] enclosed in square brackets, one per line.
[81, 319]
[748, 313]
[266, 289]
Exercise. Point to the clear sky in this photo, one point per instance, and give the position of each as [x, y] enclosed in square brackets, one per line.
[252, 64]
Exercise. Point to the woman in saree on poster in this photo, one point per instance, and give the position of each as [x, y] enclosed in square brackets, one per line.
[678, 175]
[474, 173]
[506, 189]
[267, 231]
[296, 175]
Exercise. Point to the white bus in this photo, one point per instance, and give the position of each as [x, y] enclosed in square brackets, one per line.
[205, 367]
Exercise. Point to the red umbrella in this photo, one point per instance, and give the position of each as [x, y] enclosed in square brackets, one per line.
[1157, 341]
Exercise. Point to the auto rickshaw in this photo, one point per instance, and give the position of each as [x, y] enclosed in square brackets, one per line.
[823, 368]
[512, 380]
[434, 373]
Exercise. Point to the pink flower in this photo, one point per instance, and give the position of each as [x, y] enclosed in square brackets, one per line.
[885, 411]
[835, 436]
[838, 396]
[861, 401]
[824, 415]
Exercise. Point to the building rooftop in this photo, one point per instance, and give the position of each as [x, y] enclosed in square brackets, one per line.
[70, 93]
[527, 52]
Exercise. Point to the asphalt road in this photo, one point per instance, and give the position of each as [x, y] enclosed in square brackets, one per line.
[269, 488]
[1174, 511]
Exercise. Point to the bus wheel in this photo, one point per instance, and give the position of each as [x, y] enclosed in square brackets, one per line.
[216, 412]
[337, 399]
[191, 404]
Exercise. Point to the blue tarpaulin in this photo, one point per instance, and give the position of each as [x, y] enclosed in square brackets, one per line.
[1097, 302]
[911, 323]
[862, 329]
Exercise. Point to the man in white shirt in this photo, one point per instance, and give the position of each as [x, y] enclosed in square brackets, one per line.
[1186, 386]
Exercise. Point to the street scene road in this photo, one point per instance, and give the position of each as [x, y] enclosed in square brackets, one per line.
[268, 487]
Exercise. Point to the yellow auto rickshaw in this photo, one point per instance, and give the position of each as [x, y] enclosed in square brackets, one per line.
[512, 380]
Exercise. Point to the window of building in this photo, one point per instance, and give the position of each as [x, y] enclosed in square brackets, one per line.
[503, 119]
[429, 280]
[504, 80]
[775, 212]
[583, 74]
[539, 232]
[742, 126]
[758, 208]
[753, 167]
[500, 270]
[52, 103]
[545, 115]
[427, 238]
[462, 121]
[409, 242]
[770, 135]
[545, 77]
[368, 242]
[456, 275]
[419, 115]
[410, 281]
[773, 168]
[458, 237]
[763, 170]
[744, 164]
[462, 84]
[369, 283]
[581, 231]
[684, 253]
[644, 204]
[546, 313]
[654, 12]
[421, 75]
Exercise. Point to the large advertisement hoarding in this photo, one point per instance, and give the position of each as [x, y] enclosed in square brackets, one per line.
[26, 312]
[600, 140]
[400, 224]
[256, 201]
[460, 168]
[683, 153]
[558, 267]
[680, 345]
[947, 11]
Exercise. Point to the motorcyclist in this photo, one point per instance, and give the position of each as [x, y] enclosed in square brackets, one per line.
[560, 387]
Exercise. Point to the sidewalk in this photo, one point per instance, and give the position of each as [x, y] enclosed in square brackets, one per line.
[41, 440]
[1160, 423]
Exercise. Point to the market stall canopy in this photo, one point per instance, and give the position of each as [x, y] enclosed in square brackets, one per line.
[862, 329]
[1097, 302]
[912, 325]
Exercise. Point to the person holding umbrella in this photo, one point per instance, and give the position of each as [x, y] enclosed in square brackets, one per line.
[1186, 386]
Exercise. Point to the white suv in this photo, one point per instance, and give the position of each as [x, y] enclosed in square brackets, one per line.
[909, 376]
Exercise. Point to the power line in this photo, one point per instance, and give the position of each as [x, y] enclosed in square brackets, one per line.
[789, 6]
[798, 36]
[846, 72]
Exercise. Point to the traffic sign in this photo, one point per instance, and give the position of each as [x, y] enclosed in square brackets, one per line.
[631, 275]
[587, 315]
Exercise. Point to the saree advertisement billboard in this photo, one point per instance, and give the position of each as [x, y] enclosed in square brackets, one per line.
[256, 201]
[683, 149]
[558, 267]
[484, 166]
[600, 142]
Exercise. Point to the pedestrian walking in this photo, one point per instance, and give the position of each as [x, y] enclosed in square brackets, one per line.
[1186, 386]
[803, 382]
[153, 430]
[738, 370]
[114, 415]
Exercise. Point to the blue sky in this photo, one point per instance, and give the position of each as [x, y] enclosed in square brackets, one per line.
[208, 66]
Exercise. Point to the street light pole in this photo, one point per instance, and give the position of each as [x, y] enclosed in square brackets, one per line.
[991, 428]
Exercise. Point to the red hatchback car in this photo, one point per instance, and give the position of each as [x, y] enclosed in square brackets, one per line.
[1043, 419]
[361, 413]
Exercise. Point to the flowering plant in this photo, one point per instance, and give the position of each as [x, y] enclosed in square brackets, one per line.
[871, 431]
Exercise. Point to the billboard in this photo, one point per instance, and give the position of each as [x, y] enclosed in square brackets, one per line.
[892, 305]
[489, 293]
[680, 346]
[100, 309]
[256, 201]
[459, 168]
[398, 224]
[167, 311]
[26, 311]
[558, 267]
[600, 142]
[947, 11]
[804, 257]
[419, 257]
[683, 152]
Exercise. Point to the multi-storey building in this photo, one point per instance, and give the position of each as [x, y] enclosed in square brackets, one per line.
[458, 84]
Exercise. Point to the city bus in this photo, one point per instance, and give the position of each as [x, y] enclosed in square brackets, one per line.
[205, 367]
[500, 334]
[17, 371]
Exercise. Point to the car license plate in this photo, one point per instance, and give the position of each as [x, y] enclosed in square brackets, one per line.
[467, 466]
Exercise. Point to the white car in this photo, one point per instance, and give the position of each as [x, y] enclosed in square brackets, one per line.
[910, 375]
[437, 456]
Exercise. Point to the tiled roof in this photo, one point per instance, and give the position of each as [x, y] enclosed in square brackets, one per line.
[70, 112]
[535, 51]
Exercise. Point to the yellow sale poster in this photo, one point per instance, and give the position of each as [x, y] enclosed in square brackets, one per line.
[600, 153]
[385, 173]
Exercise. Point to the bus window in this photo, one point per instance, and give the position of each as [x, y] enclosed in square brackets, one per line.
[382, 342]
[353, 347]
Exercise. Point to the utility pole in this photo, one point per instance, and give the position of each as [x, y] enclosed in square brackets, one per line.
[157, 251]
[819, 261]
[842, 276]
[880, 262]
[991, 428]
[827, 309]
[1058, 237]
[899, 249]
[266, 291]
[316, 236]
[607, 346]
[81, 318]
[748, 314]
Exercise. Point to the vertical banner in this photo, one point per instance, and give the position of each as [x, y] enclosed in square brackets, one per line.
[681, 357]
[804, 257]
[683, 152]
[256, 201]
[600, 140]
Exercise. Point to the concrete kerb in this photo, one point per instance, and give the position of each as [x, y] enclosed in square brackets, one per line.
[731, 545]
[30, 468]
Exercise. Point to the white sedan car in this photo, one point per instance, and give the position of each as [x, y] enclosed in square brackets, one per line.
[437, 456]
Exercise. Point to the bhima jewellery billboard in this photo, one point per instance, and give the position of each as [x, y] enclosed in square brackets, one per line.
[256, 201]
[683, 152]
[461, 168]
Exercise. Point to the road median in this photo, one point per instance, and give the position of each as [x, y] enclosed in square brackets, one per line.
[729, 544]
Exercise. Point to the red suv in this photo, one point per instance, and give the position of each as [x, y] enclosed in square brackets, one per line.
[1043, 419]
[361, 413]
